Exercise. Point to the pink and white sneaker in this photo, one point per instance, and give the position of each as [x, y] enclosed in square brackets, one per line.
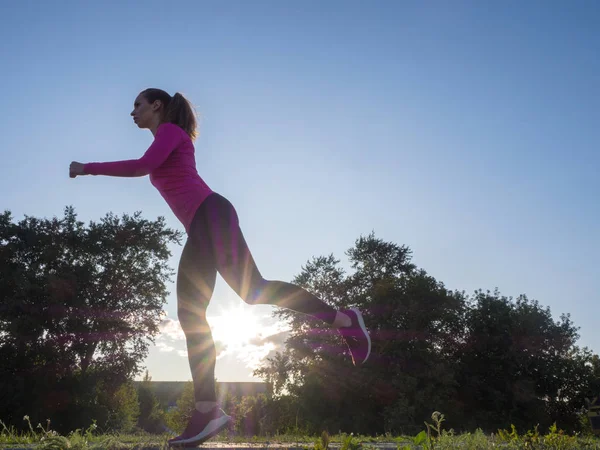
[201, 427]
[357, 337]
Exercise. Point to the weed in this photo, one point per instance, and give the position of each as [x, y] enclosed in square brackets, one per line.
[323, 442]
[350, 443]
[437, 418]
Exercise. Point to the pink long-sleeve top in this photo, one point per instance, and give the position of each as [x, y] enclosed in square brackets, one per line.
[171, 164]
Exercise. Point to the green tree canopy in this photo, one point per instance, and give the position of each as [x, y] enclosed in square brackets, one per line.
[483, 360]
[77, 303]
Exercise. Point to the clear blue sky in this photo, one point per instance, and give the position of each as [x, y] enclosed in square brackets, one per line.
[467, 130]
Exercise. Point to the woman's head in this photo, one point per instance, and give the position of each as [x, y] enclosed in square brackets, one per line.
[155, 106]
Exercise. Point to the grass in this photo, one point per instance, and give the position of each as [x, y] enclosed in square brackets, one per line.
[432, 438]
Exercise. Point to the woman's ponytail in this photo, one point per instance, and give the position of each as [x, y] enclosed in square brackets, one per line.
[180, 112]
[177, 110]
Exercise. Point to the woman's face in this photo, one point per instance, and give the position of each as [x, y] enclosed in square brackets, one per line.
[143, 112]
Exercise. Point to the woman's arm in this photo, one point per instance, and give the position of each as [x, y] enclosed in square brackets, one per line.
[168, 137]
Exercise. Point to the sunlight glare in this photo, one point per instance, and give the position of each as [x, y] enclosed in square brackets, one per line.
[236, 327]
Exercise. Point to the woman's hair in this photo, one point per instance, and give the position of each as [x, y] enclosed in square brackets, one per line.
[177, 110]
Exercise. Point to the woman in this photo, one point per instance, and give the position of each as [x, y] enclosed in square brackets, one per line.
[215, 243]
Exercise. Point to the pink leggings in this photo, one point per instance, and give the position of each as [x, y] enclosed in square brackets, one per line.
[216, 244]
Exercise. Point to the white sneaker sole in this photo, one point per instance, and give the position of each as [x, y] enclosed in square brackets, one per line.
[361, 322]
[213, 427]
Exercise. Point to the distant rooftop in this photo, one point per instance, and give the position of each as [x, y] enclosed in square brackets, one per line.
[168, 392]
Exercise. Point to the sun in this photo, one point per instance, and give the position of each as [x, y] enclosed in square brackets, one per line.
[236, 327]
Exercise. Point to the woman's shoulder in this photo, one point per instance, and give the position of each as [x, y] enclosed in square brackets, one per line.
[172, 129]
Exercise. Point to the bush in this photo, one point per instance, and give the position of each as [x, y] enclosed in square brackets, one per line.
[152, 417]
[120, 409]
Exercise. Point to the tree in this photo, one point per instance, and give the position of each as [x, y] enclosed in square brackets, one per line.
[78, 304]
[152, 417]
[519, 366]
[484, 361]
[415, 325]
[120, 407]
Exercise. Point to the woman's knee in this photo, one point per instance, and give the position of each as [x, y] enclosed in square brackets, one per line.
[256, 293]
[192, 318]
[192, 301]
